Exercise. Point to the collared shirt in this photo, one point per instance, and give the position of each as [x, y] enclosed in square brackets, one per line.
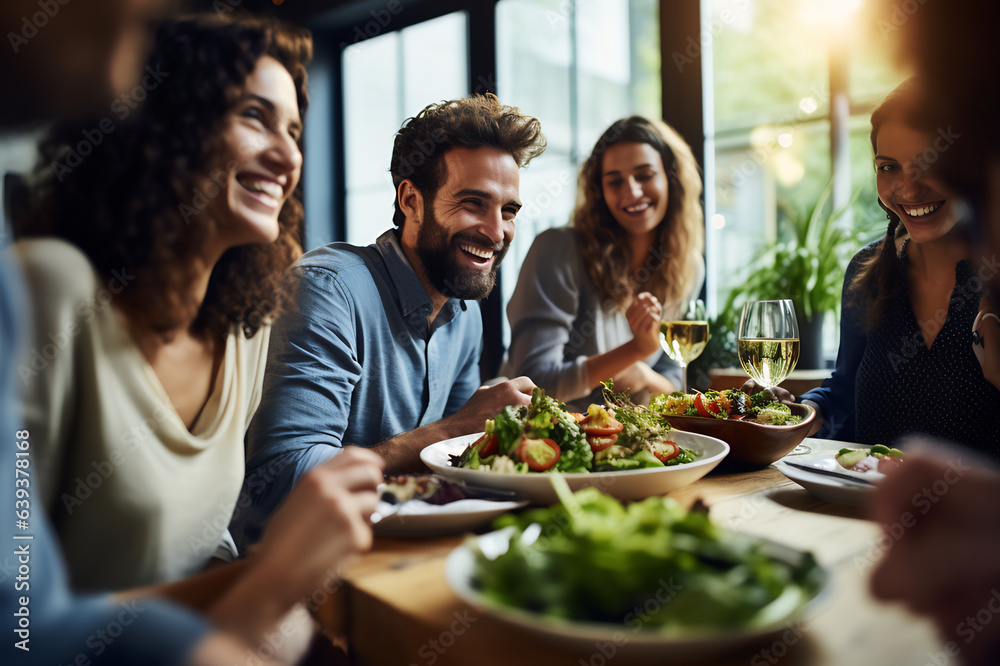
[355, 364]
[888, 383]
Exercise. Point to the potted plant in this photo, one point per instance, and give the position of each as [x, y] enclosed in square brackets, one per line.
[806, 264]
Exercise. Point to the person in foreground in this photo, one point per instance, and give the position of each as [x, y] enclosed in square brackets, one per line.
[157, 269]
[108, 46]
[590, 297]
[907, 362]
[943, 558]
[383, 349]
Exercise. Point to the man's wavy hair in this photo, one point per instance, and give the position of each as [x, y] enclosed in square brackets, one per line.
[133, 201]
[474, 122]
[681, 233]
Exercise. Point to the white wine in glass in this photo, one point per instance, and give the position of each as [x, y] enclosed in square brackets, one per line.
[768, 342]
[683, 340]
[768, 360]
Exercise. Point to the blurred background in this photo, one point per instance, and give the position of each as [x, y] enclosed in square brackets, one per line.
[774, 97]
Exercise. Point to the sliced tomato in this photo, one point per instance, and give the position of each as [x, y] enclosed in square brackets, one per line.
[707, 408]
[488, 445]
[665, 451]
[601, 443]
[540, 454]
[609, 427]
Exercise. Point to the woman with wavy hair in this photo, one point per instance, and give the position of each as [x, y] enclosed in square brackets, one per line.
[155, 266]
[590, 297]
[907, 360]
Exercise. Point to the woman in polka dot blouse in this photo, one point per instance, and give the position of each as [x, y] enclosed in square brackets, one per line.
[907, 361]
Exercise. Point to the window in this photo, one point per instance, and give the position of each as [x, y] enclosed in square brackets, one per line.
[388, 79]
[577, 66]
[772, 67]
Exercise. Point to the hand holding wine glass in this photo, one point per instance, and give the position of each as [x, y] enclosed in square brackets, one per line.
[684, 339]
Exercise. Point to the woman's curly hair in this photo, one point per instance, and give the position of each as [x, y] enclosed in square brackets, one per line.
[681, 233]
[128, 189]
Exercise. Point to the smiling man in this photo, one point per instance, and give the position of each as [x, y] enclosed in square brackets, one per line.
[383, 351]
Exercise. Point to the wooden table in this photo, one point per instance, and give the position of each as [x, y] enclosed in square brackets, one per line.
[396, 609]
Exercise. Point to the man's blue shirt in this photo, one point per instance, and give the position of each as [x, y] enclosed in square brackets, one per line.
[355, 363]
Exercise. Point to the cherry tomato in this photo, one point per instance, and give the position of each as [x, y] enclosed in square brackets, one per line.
[488, 445]
[601, 443]
[665, 451]
[707, 408]
[612, 427]
[540, 454]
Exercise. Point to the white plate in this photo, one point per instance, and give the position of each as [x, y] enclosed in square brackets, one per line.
[582, 637]
[417, 518]
[825, 487]
[629, 485]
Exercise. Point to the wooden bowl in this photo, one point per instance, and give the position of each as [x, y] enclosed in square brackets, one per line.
[751, 443]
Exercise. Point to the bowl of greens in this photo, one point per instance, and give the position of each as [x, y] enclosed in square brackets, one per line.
[644, 577]
[758, 429]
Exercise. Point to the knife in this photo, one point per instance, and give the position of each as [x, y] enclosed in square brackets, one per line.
[817, 470]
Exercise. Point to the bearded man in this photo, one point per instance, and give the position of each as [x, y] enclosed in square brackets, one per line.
[383, 350]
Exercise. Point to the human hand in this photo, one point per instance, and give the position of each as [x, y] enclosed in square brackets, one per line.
[781, 395]
[324, 520]
[940, 512]
[643, 317]
[989, 339]
[486, 402]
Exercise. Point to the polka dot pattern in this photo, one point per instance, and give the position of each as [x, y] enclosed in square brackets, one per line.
[903, 387]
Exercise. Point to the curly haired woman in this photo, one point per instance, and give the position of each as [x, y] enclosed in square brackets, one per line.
[155, 267]
[590, 297]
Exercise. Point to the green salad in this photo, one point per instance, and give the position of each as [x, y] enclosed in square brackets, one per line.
[648, 565]
[544, 437]
[760, 407]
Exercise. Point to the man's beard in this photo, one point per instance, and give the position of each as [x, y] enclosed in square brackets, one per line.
[439, 254]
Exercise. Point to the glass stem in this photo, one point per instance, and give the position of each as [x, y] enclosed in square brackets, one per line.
[684, 377]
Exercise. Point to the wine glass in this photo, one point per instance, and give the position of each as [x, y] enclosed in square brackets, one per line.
[768, 343]
[684, 339]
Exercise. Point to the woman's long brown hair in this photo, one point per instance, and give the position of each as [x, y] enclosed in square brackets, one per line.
[680, 235]
[879, 280]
